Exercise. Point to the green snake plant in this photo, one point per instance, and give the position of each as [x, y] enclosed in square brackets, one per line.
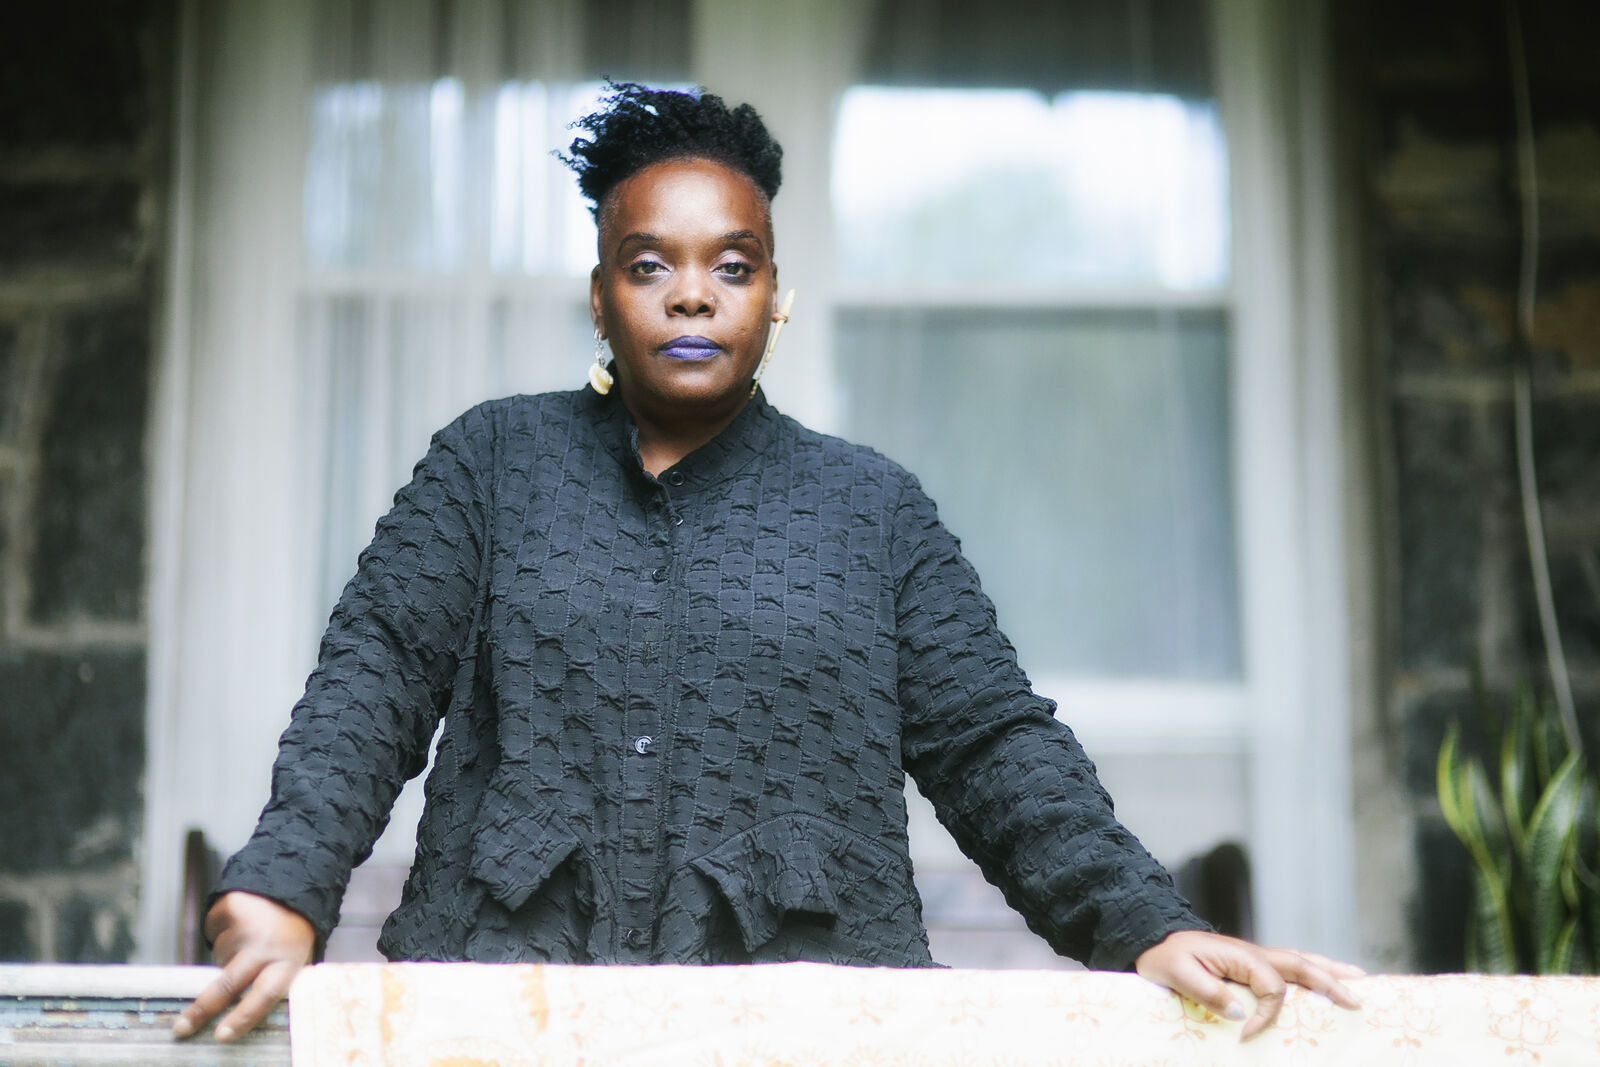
[1530, 829]
[1529, 825]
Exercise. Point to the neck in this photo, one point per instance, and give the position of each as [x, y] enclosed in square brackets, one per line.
[666, 437]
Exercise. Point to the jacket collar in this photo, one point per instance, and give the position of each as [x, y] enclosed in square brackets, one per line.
[753, 433]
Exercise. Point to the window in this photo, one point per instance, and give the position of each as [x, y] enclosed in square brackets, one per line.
[1032, 245]
[1062, 262]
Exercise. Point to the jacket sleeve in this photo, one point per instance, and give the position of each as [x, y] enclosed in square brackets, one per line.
[1009, 780]
[383, 678]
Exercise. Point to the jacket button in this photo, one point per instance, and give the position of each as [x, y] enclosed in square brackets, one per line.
[659, 574]
[642, 745]
[675, 478]
[633, 938]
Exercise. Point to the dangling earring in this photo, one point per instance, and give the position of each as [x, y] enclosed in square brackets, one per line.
[600, 378]
[772, 339]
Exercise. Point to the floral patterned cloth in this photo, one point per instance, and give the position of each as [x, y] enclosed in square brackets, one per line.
[476, 1015]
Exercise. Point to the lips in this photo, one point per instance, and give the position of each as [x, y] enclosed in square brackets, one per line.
[690, 348]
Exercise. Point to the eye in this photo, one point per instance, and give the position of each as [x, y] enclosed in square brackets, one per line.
[644, 268]
[737, 270]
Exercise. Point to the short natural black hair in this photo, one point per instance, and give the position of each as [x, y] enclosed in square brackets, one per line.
[637, 126]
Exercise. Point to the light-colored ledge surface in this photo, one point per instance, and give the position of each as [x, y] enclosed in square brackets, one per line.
[437, 1014]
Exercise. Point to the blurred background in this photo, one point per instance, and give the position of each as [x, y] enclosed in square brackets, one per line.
[1198, 319]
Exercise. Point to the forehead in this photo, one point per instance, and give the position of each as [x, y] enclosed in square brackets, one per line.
[682, 198]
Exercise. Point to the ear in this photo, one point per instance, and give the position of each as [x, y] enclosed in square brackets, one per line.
[775, 292]
[596, 304]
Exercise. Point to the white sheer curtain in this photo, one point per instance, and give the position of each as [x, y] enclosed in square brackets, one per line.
[372, 236]
[446, 249]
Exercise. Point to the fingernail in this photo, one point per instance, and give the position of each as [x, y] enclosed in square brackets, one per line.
[1235, 1012]
[224, 1033]
[182, 1027]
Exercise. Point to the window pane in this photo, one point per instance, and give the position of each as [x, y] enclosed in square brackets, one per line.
[1009, 187]
[429, 177]
[432, 127]
[1083, 458]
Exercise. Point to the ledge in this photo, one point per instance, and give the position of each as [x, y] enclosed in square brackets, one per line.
[445, 1013]
[422, 1014]
[89, 1014]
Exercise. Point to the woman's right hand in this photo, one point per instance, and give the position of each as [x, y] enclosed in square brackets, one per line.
[260, 946]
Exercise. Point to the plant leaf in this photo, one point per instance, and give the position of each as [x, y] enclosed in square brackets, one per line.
[1561, 958]
[1454, 799]
[1515, 783]
[1491, 946]
[1465, 797]
[1582, 960]
[1549, 739]
[1552, 832]
[1487, 811]
[1467, 802]
[1586, 855]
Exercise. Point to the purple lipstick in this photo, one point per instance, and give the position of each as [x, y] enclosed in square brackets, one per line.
[690, 348]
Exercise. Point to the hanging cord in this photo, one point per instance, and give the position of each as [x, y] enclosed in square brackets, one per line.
[1522, 377]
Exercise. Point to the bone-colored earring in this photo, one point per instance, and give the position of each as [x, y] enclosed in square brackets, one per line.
[600, 378]
[772, 339]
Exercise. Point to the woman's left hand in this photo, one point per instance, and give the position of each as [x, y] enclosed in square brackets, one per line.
[1199, 965]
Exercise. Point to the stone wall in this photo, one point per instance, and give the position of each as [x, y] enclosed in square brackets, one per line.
[1443, 243]
[84, 147]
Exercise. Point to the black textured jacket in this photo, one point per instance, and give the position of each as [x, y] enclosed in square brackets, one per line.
[678, 712]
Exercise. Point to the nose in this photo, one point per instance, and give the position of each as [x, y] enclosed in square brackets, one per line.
[691, 295]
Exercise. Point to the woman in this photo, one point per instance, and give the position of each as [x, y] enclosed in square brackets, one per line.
[685, 651]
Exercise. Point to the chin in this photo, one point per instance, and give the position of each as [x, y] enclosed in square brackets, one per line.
[710, 394]
[698, 385]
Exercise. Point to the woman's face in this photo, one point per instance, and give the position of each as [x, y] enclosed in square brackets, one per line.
[685, 288]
